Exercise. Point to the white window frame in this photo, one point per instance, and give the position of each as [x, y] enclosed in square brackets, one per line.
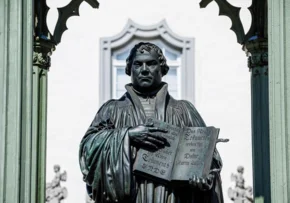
[132, 34]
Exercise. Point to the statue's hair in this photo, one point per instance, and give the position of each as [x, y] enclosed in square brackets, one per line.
[148, 47]
[240, 169]
[57, 166]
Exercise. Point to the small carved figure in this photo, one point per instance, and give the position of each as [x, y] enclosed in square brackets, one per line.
[240, 194]
[109, 148]
[54, 192]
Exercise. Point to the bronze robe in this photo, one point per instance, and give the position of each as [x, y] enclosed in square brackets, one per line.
[106, 158]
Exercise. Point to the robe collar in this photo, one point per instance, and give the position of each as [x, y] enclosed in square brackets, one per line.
[160, 103]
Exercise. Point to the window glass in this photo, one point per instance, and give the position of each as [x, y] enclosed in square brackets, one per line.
[123, 55]
[172, 79]
[121, 80]
[170, 56]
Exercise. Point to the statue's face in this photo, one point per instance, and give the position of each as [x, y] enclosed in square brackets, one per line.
[56, 168]
[146, 74]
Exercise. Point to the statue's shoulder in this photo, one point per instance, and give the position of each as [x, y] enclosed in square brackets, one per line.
[108, 103]
[180, 104]
[117, 103]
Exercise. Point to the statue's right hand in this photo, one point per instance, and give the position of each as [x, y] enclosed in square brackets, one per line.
[145, 136]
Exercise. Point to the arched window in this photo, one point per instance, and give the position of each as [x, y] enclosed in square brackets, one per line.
[178, 52]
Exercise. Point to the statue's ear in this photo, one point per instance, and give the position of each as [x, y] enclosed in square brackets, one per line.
[128, 70]
[165, 69]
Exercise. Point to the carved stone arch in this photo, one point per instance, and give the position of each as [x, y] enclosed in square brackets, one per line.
[157, 33]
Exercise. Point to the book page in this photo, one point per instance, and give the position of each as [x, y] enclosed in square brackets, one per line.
[194, 153]
[159, 163]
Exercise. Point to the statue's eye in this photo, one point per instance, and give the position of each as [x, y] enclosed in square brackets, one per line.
[152, 63]
[137, 63]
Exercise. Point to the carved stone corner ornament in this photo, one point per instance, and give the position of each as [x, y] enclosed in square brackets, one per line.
[41, 54]
[258, 25]
[40, 59]
[44, 41]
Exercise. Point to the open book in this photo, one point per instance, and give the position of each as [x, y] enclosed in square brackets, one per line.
[189, 152]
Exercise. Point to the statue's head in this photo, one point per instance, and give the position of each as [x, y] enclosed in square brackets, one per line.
[56, 168]
[146, 65]
[240, 169]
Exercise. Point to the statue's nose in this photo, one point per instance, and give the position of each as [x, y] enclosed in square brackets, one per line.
[144, 68]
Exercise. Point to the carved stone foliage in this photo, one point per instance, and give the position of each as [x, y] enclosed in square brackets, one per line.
[42, 52]
[41, 59]
[54, 192]
[258, 59]
[257, 52]
[240, 193]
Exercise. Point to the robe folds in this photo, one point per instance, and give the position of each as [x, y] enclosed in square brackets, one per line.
[106, 157]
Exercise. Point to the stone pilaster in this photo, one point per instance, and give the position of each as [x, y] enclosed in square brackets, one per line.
[257, 52]
[41, 64]
[279, 98]
[16, 39]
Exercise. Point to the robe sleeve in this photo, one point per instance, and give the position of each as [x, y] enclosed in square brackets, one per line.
[193, 118]
[104, 158]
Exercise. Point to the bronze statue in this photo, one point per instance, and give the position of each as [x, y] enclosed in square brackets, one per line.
[109, 147]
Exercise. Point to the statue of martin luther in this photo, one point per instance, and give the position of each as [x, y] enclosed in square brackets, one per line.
[119, 129]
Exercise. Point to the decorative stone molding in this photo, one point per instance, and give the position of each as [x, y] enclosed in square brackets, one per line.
[257, 52]
[64, 13]
[41, 60]
[258, 9]
[258, 59]
[42, 52]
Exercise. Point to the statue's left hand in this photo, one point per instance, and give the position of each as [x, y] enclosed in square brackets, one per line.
[204, 184]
